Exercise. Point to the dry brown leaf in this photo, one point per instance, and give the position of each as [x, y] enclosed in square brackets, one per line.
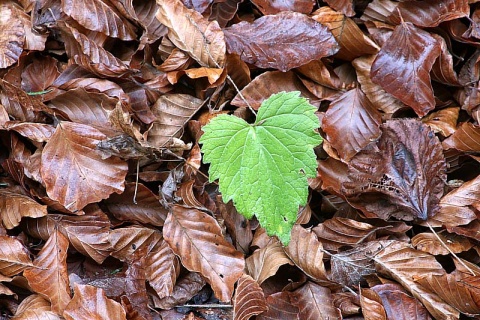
[279, 306]
[192, 234]
[249, 299]
[265, 262]
[35, 307]
[371, 303]
[443, 121]
[125, 241]
[74, 173]
[191, 32]
[39, 132]
[184, 290]
[428, 242]
[13, 34]
[15, 206]
[49, 275]
[91, 303]
[163, 269]
[14, 257]
[465, 138]
[224, 11]
[306, 252]
[40, 74]
[314, 302]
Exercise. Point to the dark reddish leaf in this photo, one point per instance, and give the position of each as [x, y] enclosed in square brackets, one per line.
[125, 241]
[39, 75]
[314, 303]
[273, 7]
[279, 306]
[351, 123]
[283, 41]
[406, 170]
[191, 233]
[344, 6]
[430, 13]
[184, 290]
[224, 11]
[403, 64]
[249, 299]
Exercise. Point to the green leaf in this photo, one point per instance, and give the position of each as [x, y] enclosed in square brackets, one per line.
[263, 167]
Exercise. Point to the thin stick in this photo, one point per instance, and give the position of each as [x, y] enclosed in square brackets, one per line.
[451, 252]
[136, 182]
[205, 306]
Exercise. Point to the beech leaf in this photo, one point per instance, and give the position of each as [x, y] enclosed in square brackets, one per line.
[263, 167]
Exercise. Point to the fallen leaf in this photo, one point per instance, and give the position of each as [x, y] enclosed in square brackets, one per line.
[249, 299]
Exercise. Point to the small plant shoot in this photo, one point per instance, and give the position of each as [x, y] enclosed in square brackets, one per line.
[263, 167]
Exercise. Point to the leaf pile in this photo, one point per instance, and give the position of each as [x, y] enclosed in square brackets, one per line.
[97, 95]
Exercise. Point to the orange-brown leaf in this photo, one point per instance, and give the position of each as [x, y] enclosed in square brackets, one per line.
[14, 257]
[249, 299]
[14, 206]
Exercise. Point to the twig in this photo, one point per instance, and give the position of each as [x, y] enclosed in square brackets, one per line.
[205, 306]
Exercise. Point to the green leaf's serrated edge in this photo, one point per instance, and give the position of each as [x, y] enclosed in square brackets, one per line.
[282, 110]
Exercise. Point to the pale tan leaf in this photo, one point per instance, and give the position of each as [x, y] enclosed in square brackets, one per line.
[249, 299]
[197, 239]
[428, 242]
[91, 303]
[401, 262]
[35, 307]
[13, 34]
[14, 206]
[49, 275]
[74, 172]
[315, 303]
[191, 32]
[306, 252]
[100, 16]
[14, 257]
[163, 269]
[172, 112]
[265, 262]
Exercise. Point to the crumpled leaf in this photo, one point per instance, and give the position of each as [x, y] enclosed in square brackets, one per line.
[268, 155]
[403, 64]
[35, 307]
[74, 173]
[265, 262]
[90, 302]
[191, 234]
[49, 275]
[249, 299]
[351, 123]
[184, 290]
[203, 40]
[406, 170]
[283, 41]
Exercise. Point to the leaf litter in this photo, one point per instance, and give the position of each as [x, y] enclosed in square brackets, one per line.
[103, 103]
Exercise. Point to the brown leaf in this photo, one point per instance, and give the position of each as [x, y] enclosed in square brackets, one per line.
[184, 290]
[239, 227]
[406, 169]
[172, 112]
[74, 173]
[465, 138]
[443, 68]
[428, 242]
[191, 234]
[430, 13]
[468, 194]
[13, 34]
[351, 123]
[49, 275]
[40, 74]
[249, 299]
[268, 83]
[100, 16]
[401, 262]
[443, 121]
[273, 7]
[451, 216]
[371, 303]
[91, 303]
[344, 6]
[280, 307]
[352, 41]
[380, 99]
[265, 262]
[39, 132]
[125, 241]
[35, 307]
[147, 208]
[314, 303]
[403, 64]
[144, 13]
[163, 269]
[191, 32]
[283, 41]
[306, 252]
[398, 304]
[15, 206]
[14, 257]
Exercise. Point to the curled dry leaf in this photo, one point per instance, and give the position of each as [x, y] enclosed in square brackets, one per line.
[468, 194]
[14, 206]
[406, 170]
[265, 262]
[283, 41]
[35, 307]
[249, 299]
[443, 121]
[39, 132]
[107, 19]
[465, 138]
[184, 290]
[191, 234]
[401, 262]
[14, 257]
[203, 40]
[314, 302]
[428, 242]
[403, 64]
[91, 303]
[306, 252]
[351, 123]
[371, 304]
[13, 34]
[49, 275]
[74, 172]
